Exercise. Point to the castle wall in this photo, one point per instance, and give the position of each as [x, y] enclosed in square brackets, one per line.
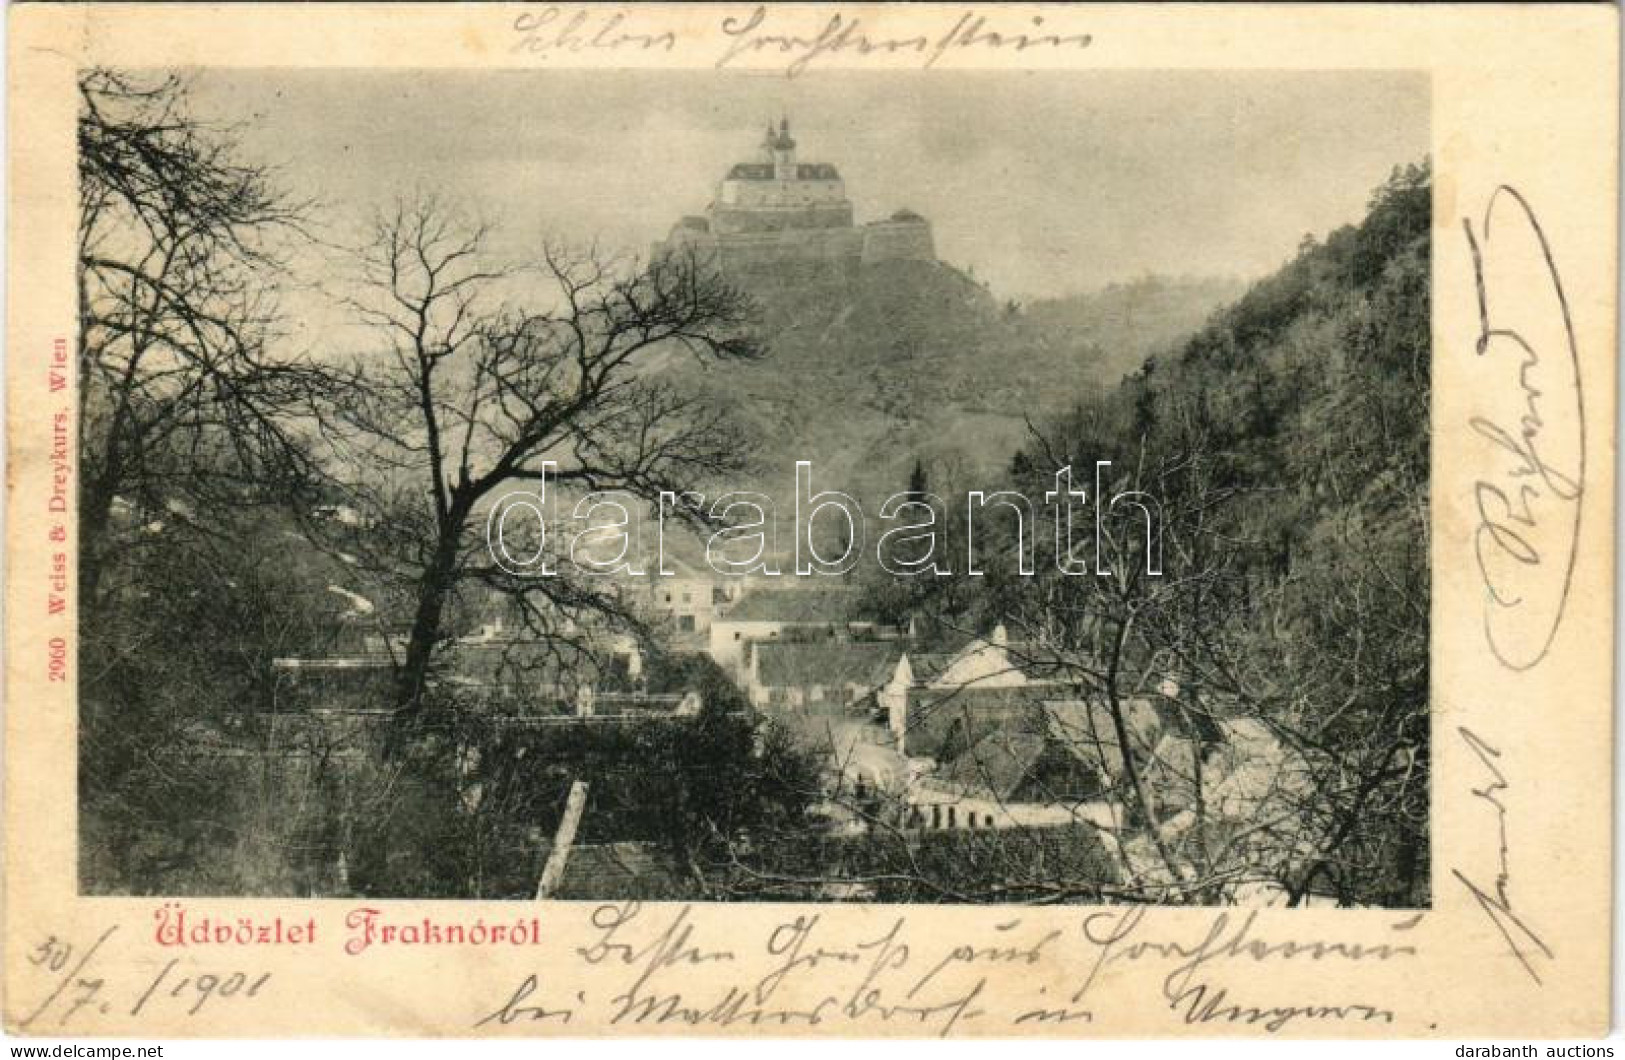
[825, 250]
[782, 192]
[731, 220]
[898, 241]
[814, 251]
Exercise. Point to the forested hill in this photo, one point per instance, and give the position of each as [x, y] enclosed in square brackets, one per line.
[907, 360]
[1124, 322]
[1301, 410]
[1286, 445]
[1316, 382]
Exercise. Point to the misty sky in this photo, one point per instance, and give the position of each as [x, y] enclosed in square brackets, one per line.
[1045, 183]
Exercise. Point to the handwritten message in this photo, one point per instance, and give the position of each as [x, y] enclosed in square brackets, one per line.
[816, 975]
[637, 969]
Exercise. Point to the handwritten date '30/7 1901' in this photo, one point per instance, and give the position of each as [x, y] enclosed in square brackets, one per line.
[78, 988]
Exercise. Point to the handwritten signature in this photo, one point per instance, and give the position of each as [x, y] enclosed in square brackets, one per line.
[1496, 901]
[1528, 532]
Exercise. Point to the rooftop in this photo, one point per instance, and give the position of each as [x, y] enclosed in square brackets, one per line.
[782, 663]
[806, 606]
[1032, 661]
[615, 871]
[1086, 730]
[1015, 766]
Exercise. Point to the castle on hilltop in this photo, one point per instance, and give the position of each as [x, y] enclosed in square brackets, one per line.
[777, 211]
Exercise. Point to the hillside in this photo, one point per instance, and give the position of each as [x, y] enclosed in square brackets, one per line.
[1124, 322]
[1286, 444]
[911, 359]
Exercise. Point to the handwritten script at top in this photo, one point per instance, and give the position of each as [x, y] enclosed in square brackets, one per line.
[792, 39]
[1528, 506]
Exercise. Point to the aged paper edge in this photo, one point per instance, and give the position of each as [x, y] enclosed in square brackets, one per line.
[1523, 97]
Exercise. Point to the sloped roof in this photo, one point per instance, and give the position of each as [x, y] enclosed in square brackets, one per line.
[1245, 766]
[1247, 731]
[1086, 731]
[1069, 746]
[620, 871]
[782, 663]
[981, 697]
[1257, 767]
[997, 763]
[1016, 765]
[1036, 662]
[1021, 657]
[927, 666]
[807, 606]
[942, 722]
[681, 570]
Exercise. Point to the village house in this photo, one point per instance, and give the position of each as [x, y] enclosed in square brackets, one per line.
[816, 675]
[1033, 762]
[984, 684]
[775, 613]
[1015, 757]
[683, 603]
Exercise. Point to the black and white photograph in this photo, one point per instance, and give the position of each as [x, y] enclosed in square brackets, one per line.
[662, 485]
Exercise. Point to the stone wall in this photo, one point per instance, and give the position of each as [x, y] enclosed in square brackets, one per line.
[811, 252]
[731, 221]
[782, 193]
[898, 241]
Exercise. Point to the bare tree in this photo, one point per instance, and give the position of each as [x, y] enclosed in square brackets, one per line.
[1299, 713]
[180, 396]
[465, 397]
[1259, 716]
[1119, 626]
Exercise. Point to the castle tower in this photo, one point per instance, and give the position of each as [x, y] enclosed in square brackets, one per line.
[784, 152]
[777, 210]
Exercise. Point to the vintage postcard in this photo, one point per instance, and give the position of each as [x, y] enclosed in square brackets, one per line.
[810, 520]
